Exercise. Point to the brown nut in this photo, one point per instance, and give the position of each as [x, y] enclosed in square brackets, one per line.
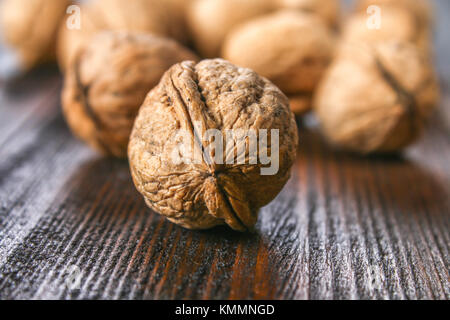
[217, 189]
[395, 24]
[108, 82]
[290, 48]
[30, 27]
[211, 20]
[328, 10]
[149, 16]
[376, 98]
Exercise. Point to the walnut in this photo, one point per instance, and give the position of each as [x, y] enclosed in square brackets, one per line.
[396, 24]
[376, 98]
[216, 189]
[30, 26]
[108, 82]
[211, 20]
[290, 48]
[159, 17]
[329, 10]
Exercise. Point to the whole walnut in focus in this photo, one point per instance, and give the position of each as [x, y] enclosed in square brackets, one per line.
[213, 95]
[30, 27]
[376, 98]
[108, 82]
[159, 17]
[422, 10]
[290, 48]
[329, 10]
[396, 24]
[211, 20]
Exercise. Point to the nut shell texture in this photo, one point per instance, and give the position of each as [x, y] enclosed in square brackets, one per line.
[376, 98]
[108, 82]
[30, 27]
[213, 94]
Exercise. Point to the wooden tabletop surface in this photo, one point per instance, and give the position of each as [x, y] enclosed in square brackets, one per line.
[72, 225]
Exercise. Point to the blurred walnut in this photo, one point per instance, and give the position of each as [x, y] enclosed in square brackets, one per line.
[211, 20]
[30, 26]
[196, 98]
[421, 9]
[290, 48]
[108, 82]
[376, 98]
[329, 10]
[159, 17]
[396, 24]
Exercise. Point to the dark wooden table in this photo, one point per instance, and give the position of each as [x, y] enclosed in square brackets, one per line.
[72, 226]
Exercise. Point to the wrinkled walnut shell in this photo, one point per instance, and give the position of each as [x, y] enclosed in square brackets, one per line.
[213, 94]
[30, 27]
[108, 82]
[376, 98]
[290, 48]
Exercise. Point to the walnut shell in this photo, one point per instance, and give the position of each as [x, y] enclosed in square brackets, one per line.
[376, 98]
[396, 24]
[108, 82]
[329, 10]
[290, 48]
[158, 17]
[30, 27]
[211, 20]
[213, 94]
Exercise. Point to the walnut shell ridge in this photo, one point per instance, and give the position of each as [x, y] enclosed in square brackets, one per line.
[376, 98]
[108, 82]
[213, 94]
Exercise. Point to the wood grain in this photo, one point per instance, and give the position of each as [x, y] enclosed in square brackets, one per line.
[345, 227]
